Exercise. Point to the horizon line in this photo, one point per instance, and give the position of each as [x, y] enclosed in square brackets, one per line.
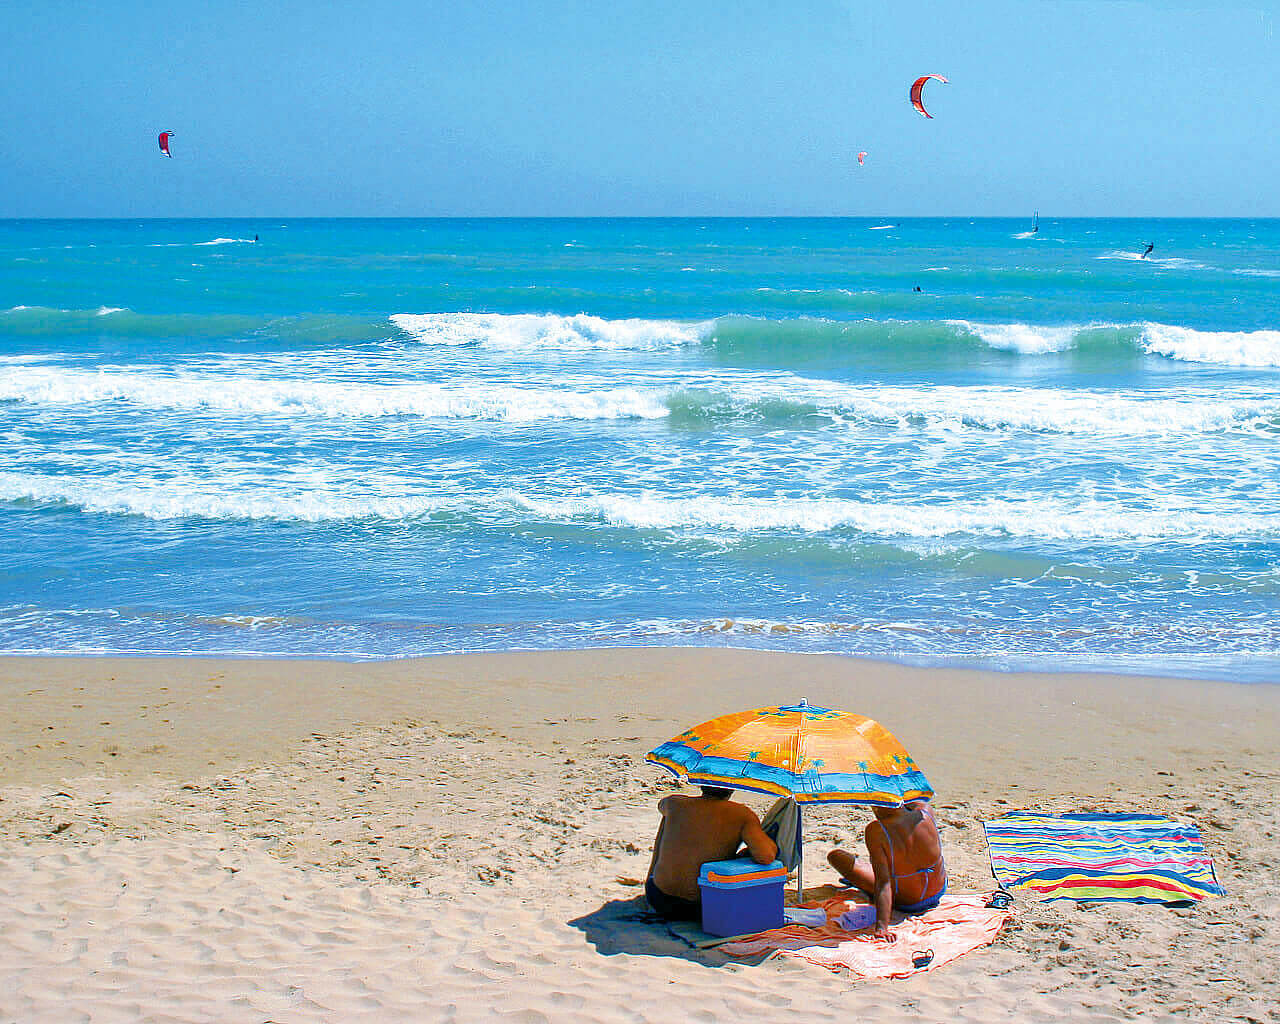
[603, 217]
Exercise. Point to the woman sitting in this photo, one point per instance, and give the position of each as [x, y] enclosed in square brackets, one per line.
[906, 870]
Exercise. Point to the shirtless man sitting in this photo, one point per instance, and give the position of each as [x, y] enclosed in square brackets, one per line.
[906, 870]
[694, 830]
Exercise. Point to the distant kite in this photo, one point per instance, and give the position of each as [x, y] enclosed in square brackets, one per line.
[861, 157]
[164, 143]
[918, 87]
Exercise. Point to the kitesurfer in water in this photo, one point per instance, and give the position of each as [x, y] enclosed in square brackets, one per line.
[1150, 246]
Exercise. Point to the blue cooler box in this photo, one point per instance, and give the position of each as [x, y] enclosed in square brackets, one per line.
[740, 896]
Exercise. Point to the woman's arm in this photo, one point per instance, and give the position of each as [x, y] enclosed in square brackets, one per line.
[882, 894]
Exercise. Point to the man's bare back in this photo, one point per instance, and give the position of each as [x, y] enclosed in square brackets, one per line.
[698, 829]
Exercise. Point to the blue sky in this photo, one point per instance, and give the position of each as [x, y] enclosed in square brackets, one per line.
[381, 108]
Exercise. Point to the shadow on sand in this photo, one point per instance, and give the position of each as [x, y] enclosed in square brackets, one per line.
[629, 926]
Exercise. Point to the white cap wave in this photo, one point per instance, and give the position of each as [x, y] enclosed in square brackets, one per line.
[1056, 519]
[236, 393]
[745, 395]
[536, 332]
[1025, 338]
[1228, 348]
[302, 499]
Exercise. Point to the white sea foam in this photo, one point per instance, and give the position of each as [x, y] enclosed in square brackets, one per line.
[1167, 262]
[184, 498]
[26, 359]
[212, 241]
[1230, 348]
[535, 332]
[1256, 272]
[1051, 519]
[1025, 338]
[1121, 254]
[1064, 519]
[737, 627]
[330, 399]
[1110, 413]
[1052, 410]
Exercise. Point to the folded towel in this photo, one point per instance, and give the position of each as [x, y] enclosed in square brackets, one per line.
[810, 918]
[782, 825]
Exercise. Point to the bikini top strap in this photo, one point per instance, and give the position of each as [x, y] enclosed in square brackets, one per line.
[888, 839]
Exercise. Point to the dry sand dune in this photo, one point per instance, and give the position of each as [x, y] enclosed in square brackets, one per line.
[452, 838]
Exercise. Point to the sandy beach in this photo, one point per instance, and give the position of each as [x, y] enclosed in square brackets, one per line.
[456, 838]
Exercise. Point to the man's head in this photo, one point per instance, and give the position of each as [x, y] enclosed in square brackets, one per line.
[716, 792]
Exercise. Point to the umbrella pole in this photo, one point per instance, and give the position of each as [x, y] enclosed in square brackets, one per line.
[799, 855]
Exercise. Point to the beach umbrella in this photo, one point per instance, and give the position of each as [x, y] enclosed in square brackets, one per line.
[815, 755]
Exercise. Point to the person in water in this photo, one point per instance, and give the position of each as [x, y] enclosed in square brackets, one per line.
[1150, 246]
[694, 830]
[906, 872]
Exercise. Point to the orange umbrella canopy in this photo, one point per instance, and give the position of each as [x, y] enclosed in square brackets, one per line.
[815, 754]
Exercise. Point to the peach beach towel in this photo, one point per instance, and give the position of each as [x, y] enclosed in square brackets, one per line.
[961, 922]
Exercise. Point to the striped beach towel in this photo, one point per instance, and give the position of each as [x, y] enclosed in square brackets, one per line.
[1134, 858]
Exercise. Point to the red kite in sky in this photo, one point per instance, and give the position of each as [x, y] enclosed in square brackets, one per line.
[918, 87]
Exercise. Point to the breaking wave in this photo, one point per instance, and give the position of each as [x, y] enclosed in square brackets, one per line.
[938, 339]
[779, 399]
[1054, 519]
[538, 332]
[328, 399]
[1227, 348]
[1022, 338]
[775, 341]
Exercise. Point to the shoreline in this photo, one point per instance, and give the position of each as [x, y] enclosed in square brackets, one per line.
[454, 837]
[1127, 666]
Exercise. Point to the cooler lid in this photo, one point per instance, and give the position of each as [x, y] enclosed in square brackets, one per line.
[741, 870]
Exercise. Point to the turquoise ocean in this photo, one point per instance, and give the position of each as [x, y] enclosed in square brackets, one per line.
[374, 439]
